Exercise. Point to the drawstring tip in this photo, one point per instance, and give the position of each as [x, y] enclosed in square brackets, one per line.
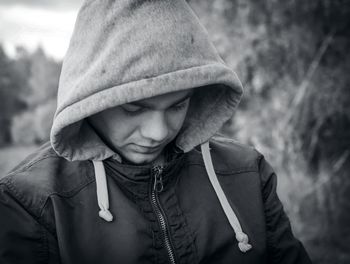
[244, 247]
[243, 244]
[106, 215]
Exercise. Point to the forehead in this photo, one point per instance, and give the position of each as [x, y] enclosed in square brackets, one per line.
[164, 100]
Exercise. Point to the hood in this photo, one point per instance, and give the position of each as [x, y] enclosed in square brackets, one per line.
[127, 50]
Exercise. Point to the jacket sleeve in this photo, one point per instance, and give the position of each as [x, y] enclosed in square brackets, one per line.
[22, 238]
[283, 247]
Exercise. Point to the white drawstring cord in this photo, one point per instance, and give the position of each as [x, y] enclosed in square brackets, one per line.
[242, 238]
[102, 191]
[103, 202]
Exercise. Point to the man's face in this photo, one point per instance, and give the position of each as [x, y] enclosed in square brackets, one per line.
[140, 130]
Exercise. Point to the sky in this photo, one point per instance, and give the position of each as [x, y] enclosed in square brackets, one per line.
[30, 23]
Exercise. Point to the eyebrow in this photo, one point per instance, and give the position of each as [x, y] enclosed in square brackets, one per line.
[147, 105]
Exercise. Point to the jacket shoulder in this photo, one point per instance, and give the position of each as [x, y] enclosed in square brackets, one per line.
[42, 174]
[230, 156]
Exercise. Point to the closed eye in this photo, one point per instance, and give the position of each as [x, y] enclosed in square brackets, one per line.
[132, 109]
[180, 106]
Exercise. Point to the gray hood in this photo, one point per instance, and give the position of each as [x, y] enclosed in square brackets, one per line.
[127, 50]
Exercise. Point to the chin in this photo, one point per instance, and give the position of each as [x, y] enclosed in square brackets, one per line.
[141, 159]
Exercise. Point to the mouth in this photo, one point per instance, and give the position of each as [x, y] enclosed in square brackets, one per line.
[146, 149]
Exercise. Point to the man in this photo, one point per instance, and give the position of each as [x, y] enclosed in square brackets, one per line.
[132, 174]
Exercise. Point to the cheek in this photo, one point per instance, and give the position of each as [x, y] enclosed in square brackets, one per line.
[120, 127]
[176, 120]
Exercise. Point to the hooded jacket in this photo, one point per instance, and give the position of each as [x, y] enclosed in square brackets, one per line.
[76, 201]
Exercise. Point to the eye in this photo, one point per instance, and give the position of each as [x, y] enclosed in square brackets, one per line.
[180, 106]
[131, 109]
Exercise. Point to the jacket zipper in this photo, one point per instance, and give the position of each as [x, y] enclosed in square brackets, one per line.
[157, 188]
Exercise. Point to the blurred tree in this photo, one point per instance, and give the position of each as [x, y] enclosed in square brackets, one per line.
[33, 125]
[28, 86]
[10, 87]
[292, 59]
[43, 80]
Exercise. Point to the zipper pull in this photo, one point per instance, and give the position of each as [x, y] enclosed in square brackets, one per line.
[158, 179]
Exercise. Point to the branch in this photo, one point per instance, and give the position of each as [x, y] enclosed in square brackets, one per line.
[306, 81]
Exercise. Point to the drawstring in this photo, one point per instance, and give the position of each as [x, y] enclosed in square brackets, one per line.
[103, 203]
[242, 238]
[102, 191]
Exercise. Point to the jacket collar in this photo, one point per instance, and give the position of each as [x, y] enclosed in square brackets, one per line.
[141, 174]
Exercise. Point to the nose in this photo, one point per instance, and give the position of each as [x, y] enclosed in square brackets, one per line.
[155, 127]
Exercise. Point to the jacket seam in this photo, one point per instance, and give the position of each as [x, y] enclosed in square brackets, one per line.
[73, 192]
[186, 225]
[32, 163]
[275, 252]
[227, 172]
[41, 211]
[69, 194]
[19, 198]
[262, 186]
[45, 245]
[258, 164]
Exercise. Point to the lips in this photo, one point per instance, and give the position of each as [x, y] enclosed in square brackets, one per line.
[145, 149]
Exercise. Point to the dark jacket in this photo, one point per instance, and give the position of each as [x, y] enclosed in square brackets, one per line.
[48, 212]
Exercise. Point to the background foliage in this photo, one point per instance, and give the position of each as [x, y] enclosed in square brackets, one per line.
[292, 58]
[28, 87]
